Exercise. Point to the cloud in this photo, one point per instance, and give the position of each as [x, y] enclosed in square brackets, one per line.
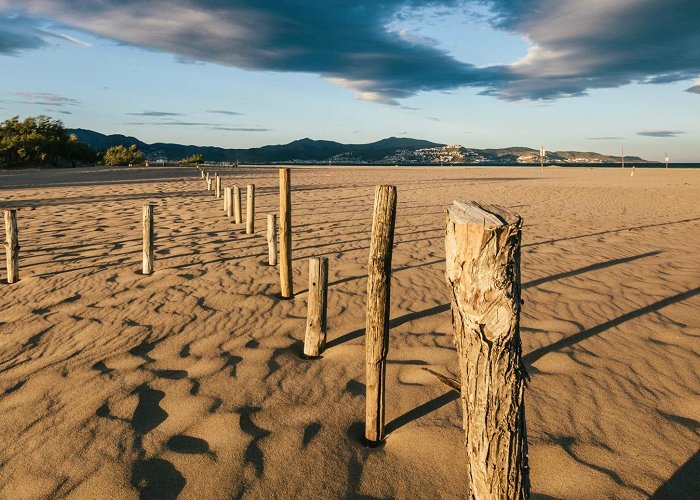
[224, 112]
[661, 133]
[575, 46]
[155, 113]
[45, 99]
[18, 33]
[240, 129]
[176, 123]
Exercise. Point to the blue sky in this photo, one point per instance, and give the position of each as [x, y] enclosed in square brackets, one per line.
[569, 74]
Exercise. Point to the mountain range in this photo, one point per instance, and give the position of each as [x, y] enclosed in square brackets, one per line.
[393, 150]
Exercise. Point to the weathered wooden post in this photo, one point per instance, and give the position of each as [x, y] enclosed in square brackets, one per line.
[250, 210]
[201, 171]
[272, 239]
[377, 329]
[217, 193]
[12, 245]
[286, 283]
[228, 201]
[482, 246]
[148, 239]
[237, 216]
[315, 338]
[208, 184]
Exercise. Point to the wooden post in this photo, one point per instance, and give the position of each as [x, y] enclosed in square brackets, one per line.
[238, 218]
[228, 201]
[272, 239]
[286, 283]
[148, 239]
[208, 184]
[217, 193]
[315, 338]
[377, 330]
[12, 246]
[250, 210]
[201, 171]
[482, 246]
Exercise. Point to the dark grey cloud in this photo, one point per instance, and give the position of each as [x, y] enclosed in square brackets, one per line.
[18, 33]
[155, 113]
[45, 99]
[695, 89]
[575, 46]
[224, 112]
[661, 133]
[239, 129]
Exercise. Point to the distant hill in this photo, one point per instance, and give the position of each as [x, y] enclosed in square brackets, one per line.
[394, 150]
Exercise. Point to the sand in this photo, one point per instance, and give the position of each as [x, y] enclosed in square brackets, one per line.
[189, 382]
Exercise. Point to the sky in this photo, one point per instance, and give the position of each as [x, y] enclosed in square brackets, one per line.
[586, 75]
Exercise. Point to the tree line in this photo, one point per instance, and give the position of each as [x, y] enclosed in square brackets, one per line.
[42, 141]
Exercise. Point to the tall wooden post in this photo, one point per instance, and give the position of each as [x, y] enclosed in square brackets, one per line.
[286, 283]
[482, 246]
[228, 201]
[378, 288]
[272, 239]
[217, 192]
[148, 239]
[250, 210]
[12, 246]
[208, 184]
[201, 171]
[237, 209]
[315, 338]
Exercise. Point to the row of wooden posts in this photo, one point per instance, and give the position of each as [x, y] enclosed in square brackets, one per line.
[482, 247]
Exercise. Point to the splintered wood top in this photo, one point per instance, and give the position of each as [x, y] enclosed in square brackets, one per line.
[472, 212]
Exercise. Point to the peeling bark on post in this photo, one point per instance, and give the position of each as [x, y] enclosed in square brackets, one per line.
[315, 338]
[12, 246]
[148, 239]
[482, 245]
[237, 209]
[272, 239]
[378, 300]
[286, 283]
[250, 210]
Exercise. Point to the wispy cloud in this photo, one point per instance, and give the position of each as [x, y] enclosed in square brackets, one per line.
[224, 112]
[239, 129]
[175, 123]
[574, 46]
[155, 113]
[661, 133]
[45, 99]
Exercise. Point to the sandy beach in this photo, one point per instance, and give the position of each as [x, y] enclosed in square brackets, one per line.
[189, 383]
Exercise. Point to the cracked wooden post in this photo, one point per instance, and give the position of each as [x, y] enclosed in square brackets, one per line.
[482, 246]
[250, 210]
[272, 239]
[12, 245]
[378, 300]
[315, 338]
[217, 191]
[228, 201]
[237, 216]
[285, 265]
[148, 239]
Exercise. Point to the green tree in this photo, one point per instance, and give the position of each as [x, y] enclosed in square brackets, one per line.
[120, 156]
[195, 158]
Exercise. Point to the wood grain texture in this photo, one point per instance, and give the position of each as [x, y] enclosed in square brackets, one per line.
[315, 338]
[250, 210]
[482, 245]
[272, 239]
[378, 301]
[237, 205]
[285, 265]
[12, 246]
[228, 201]
[148, 239]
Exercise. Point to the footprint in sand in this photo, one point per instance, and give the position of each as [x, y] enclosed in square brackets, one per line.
[253, 454]
[148, 414]
[182, 443]
[231, 361]
[157, 479]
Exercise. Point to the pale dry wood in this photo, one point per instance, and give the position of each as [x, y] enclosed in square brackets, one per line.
[250, 210]
[228, 201]
[315, 338]
[217, 192]
[285, 265]
[201, 172]
[12, 246]
[208, 184]
[237, 209]
[449, 382]
[272, 239]
[482, 245]
[378, 300]
[148, 239]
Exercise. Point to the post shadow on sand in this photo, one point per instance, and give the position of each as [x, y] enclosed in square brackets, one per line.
[684, 484]
[591, 332]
